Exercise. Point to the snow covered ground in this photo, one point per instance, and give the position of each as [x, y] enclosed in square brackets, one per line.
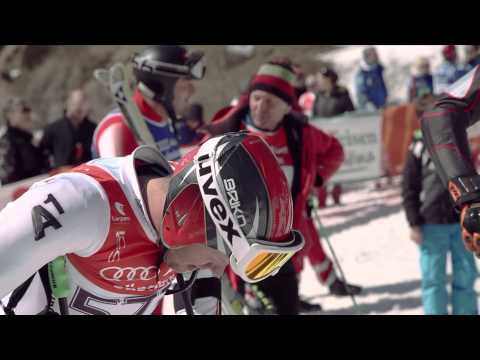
[371, 238]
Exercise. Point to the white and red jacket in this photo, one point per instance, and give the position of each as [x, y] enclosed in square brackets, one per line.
[114, 138]
[114, 254]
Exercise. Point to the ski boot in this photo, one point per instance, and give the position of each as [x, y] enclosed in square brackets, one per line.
[341, 289]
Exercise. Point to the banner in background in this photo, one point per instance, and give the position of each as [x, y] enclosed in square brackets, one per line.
[361, 137]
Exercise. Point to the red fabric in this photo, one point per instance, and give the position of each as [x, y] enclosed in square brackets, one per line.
[222, 113]
[314, 252]
[127, 138]
[19, 192]
[306, 102]
[126, 246]
[144, 108]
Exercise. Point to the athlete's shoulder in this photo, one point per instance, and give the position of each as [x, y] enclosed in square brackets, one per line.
[67, 213]
[80, 205]
[113, 117]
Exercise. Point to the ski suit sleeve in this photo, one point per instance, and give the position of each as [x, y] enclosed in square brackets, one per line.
[445, 127]
[329, 155]
[113, 138]
[67, 214]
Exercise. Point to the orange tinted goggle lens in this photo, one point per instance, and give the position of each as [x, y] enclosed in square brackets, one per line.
[265, 264]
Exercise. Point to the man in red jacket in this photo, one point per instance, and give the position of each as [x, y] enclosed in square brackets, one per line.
[308, 157]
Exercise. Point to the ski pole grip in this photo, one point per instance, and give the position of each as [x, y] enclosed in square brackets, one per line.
[57, 273]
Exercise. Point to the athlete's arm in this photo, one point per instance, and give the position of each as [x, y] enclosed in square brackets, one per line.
[445, 128]
[62, 215]
[111, 141]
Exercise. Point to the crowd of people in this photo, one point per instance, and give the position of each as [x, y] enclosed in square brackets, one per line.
[178, 233]
[66, 142]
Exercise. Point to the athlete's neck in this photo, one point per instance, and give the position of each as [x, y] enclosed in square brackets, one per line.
[154, 192]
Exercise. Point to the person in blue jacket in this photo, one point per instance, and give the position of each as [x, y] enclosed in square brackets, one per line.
[372, 93]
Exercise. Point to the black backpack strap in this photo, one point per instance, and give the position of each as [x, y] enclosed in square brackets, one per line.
[20, 292]
[17, 295]
[46, 285]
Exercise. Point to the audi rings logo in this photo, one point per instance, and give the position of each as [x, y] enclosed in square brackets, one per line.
[117, 274]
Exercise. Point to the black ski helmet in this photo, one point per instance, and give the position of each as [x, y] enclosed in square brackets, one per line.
[158, 68]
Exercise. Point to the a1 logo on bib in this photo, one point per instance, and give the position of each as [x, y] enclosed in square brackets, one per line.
[43, 219]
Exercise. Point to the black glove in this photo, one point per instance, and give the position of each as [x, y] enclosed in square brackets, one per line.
[465, 193]
[470, 221]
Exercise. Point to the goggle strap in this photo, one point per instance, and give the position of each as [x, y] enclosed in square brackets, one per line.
[163, 68]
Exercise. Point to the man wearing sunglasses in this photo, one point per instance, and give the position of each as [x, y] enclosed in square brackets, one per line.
[164, 75]
[127, 226]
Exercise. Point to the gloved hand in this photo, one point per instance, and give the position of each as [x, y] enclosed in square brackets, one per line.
[470, 221]
[465, 192]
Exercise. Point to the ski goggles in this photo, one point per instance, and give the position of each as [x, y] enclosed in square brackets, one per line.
[253, 260]
[193, 69]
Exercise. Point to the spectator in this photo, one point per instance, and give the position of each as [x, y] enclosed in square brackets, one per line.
[472, 57]
[188, 128]
[421, 80]
[331, 99]
[370, 85]
[308, 156]
[19, 158]
[435, 228]
[68, 141]
[300, 83]
[307, 100]
[448, 72]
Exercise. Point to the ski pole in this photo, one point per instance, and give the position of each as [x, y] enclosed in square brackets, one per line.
[332, 251]
[185, 295]
[59, 282]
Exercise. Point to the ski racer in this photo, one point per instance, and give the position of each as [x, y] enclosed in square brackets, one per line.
[127, 226]
[164, 76]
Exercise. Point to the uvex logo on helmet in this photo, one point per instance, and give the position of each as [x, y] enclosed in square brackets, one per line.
[234, 201]
[214, 201]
